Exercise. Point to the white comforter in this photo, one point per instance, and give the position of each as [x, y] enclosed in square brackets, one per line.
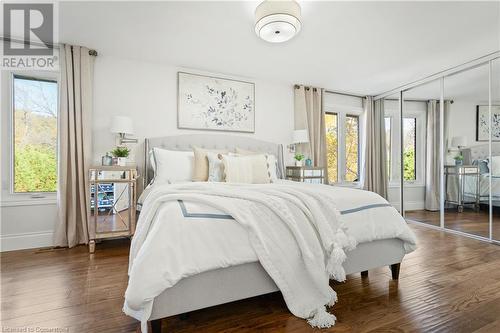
[297, 231]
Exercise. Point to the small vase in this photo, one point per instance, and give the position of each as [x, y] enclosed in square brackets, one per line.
[459, 162]
[298, 163]
[120, 161]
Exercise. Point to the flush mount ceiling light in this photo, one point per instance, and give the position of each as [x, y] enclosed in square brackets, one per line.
[277, 21]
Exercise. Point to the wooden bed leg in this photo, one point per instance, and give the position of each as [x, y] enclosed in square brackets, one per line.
[364, 274]
[156, 326]
[395, 271]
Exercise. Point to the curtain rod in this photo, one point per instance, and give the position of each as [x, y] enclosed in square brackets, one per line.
[55, 46]
[297, 86]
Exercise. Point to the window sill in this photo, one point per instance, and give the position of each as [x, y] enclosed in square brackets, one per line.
[407, 185]
[22, 200]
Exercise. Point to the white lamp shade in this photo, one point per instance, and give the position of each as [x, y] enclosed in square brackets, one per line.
[459, 141]
[122, 124]
[300, 136]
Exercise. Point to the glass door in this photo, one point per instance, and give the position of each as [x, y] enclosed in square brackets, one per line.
[466, 151]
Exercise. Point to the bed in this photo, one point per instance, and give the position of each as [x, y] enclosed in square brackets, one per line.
[249, 278]
[478, 155]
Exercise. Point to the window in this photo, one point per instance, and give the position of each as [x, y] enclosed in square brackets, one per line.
[331, 125]
[410, 148]
[34, 134]
[352, 148]
[412, 129]
[388, 144]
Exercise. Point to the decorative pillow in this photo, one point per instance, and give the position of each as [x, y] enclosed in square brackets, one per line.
[200, 172]
[250, 169]
[215, 167]
[172, 166]
[272, 162]
[495, 166]
[483, 166]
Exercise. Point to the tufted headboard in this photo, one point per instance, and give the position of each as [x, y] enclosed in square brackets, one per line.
[186, 142]
[480, 152]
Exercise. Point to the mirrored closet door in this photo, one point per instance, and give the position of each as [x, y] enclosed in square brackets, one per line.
[421, 152]
[495, 148]
[466, 152]
[392, 123]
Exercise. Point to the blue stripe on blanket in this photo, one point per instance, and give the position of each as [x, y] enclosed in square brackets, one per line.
[229, 217]
[202, 215]
[358, 209]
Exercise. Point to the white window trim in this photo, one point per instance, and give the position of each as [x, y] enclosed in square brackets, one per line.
[396, 151]
[342, 111]
[8, 196]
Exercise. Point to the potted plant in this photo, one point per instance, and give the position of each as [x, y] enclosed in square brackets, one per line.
[459, 159]
[121, 155]
[298, 159]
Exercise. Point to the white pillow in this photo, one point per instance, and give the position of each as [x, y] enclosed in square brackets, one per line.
[272, 162]
[215, 167]
[250, 169]
[495, 166]
[272, 166]
[172, 166]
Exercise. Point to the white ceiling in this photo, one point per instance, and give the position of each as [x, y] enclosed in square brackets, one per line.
[361, 47]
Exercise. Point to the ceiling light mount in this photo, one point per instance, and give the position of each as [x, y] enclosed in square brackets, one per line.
[277, 21]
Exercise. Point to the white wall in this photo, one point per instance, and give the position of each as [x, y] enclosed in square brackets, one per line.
[147, 92]
[462, 120]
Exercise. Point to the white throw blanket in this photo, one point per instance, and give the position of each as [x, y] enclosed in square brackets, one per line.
[296, 231]
[294, 243]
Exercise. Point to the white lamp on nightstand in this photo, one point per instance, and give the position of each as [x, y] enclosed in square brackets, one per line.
[123, 125]
[459, 142]
[298, 137]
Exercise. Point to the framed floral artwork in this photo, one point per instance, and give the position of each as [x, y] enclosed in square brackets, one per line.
[482, 124]
[213, 103]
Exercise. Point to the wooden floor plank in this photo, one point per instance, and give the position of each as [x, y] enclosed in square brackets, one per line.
[450, 284]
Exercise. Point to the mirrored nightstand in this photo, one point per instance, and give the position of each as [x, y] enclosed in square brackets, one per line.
[112, 203]
[306, 174]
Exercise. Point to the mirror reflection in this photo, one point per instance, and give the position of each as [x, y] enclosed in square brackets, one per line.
[393, 157]
[495, 145]
[421, 147]
[467, 160]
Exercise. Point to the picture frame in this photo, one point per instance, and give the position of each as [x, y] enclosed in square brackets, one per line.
[214, 103]
[482, 124]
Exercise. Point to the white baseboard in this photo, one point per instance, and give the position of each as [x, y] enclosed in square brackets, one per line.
[30, 240]
[410, 205]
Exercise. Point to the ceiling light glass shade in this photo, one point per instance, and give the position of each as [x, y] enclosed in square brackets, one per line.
[277, 21]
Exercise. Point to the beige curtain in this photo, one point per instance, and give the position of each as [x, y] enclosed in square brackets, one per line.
[309, 115]
[375, 160]
[75, 110]
[433, 158]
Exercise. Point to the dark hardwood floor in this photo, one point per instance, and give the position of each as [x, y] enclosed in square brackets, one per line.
[469, 221]
[450, 284]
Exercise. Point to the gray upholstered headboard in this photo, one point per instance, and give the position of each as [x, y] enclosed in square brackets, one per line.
[186, 142]
[480, 152]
